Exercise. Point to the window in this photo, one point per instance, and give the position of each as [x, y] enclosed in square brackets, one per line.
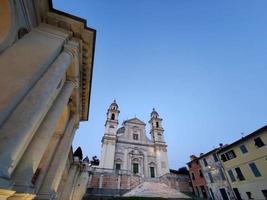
[118, 166]
[243, 148]
[249, 195]
[254, 169]
[193, 176]
[212, 194]
[264, 192]
[228, 156]
[239, 174]
[210, 176]
[237, 194]
[223, 158]
[135, 168]
[135, 136]
[157, 124]
[205, 162]
[215, 157]
[112, 116]
[221, 173]
[258, 142]
[200, 173]
[231, 175]
[197, 191]
[152, 172]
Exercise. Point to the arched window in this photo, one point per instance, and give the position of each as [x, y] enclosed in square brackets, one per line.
[157, 124]
[112, 116]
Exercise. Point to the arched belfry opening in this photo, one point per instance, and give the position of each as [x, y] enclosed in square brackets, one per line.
[112, 116]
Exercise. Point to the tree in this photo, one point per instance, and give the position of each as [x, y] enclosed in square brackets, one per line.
[183, 170]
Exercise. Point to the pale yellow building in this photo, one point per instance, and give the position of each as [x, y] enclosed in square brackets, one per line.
[245, 163]
[46, 60]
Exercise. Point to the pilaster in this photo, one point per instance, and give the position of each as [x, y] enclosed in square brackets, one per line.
[70, 183]
[80, 186]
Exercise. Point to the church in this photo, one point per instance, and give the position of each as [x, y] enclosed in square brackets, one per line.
[128, 148]
[129, 158]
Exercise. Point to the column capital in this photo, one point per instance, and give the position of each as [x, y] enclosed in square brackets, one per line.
[74, 80]
[72, 48]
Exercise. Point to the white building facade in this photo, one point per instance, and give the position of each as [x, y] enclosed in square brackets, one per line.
[128, 148]
[213, 172]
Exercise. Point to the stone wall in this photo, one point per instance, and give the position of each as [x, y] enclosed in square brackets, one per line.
[179, 182]
[106, 182]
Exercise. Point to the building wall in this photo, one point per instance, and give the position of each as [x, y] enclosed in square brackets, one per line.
[198, 182]
[46, 60]
[107, 182]
[212, 167]
[256, 155]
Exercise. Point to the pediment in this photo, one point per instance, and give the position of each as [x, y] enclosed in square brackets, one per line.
[135, 121]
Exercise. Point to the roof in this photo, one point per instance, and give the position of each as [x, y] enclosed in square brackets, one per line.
[134, 120]
[243, 139]
[208, 153]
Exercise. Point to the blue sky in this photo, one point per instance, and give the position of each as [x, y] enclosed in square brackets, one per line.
[201, 64]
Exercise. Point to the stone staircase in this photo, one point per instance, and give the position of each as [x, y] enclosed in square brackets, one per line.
[153, 188]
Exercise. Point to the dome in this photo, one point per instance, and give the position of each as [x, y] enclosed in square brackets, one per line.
[154, 113]
[120, 130]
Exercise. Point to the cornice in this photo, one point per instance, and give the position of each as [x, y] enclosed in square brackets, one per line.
[85, 36]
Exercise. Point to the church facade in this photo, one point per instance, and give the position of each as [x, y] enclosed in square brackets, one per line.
[128, 149]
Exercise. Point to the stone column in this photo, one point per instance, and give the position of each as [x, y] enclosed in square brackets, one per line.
[17, 132]
[30, 161]
[70, 183]
[80, 187]
[56, 168]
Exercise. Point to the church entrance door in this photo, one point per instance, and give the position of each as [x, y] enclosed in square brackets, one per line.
[135, 168]
[152, 172]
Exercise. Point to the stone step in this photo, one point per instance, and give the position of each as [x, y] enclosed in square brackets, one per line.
[155, 189]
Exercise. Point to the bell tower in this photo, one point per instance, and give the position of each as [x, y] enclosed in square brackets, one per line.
[109, 138]
[156, 129]
[112, 122]
[157, 136]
